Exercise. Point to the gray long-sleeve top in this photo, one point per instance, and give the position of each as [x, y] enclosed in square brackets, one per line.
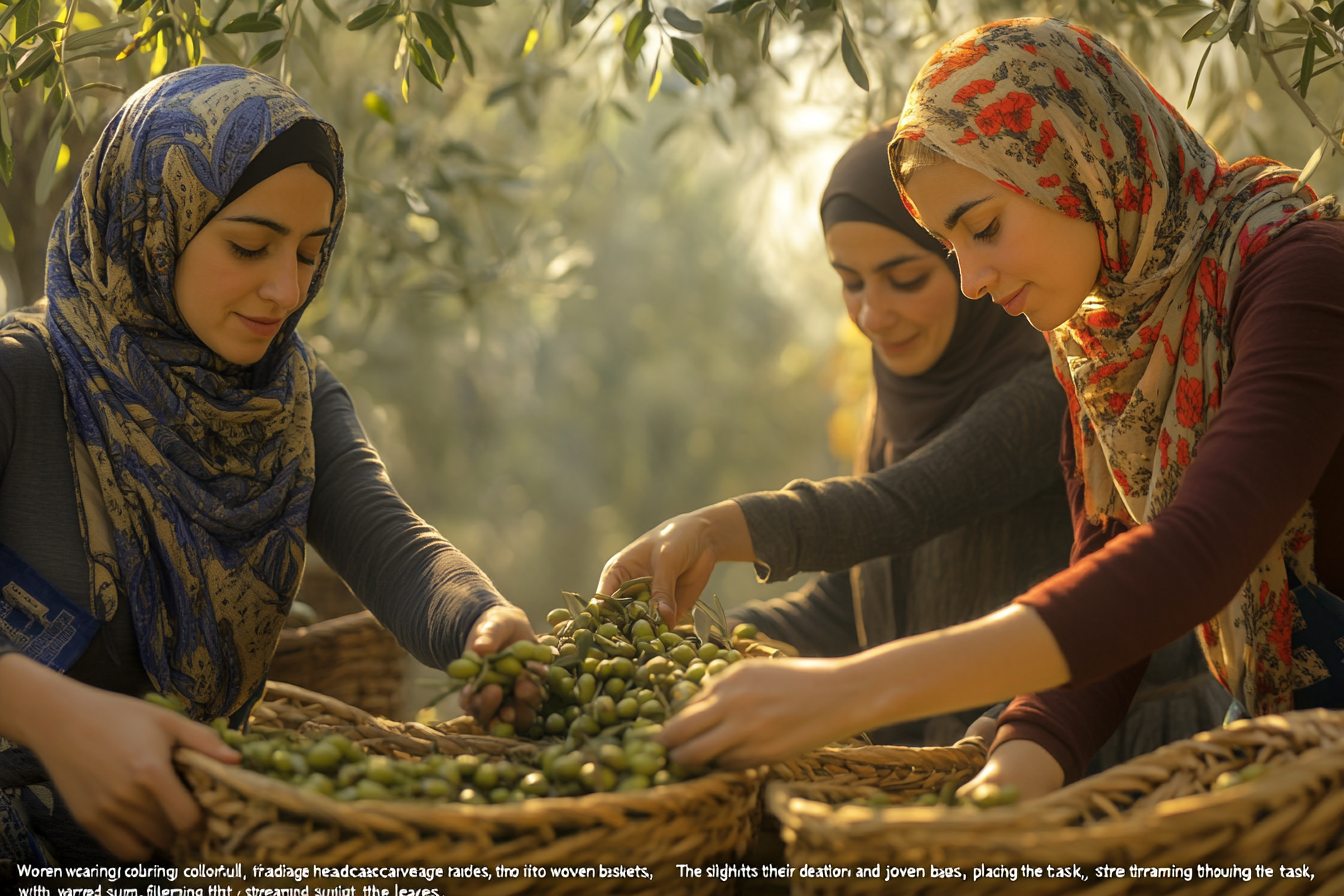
[423, 589]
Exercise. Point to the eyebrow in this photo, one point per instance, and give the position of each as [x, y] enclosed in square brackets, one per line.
[275, 225]
[889, 263]
[950, 222]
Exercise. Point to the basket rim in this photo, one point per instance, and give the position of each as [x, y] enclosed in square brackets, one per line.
[397, 817]
[1046, 816]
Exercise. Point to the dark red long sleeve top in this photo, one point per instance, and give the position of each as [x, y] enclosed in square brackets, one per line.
[1277, 441]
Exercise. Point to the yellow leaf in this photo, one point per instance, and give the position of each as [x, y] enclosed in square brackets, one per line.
[85, 21]
[531, 42]
[617, 22]
[62, 158]
[657, 83]
[160, 60]
[406, 87]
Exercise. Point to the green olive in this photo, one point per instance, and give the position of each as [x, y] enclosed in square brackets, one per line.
[463, 669]
[535, 784]
[556, 724]
[644, 763]
[486, 777]
[557, 616]
[672, 639]
[642, 630]
[634, 782]
[348, 775]
[319, 783]
[597, 777]
[608, 630]
[435, 788]
[696, 672]
[623, 667]
[746, 631]
[509, 665]
[368, 789]
[472, 797]
[569, 766]
[627, 708]
[467, 764]
[733, 656]
[716, 666]
[586, 687]
[324, 756]
[502, 729]
[382, 770]
[611, 756]
[683, 653]
[615, 687]
[652, 709]
[708, 652]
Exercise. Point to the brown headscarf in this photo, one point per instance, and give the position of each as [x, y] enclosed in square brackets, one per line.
[986, 348]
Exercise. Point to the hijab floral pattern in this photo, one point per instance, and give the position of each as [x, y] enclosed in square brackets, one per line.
[205, 468]
[1055, 113]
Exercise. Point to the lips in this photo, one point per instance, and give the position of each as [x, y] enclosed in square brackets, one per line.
[261, 326]
[890, 347]
[1014, 303]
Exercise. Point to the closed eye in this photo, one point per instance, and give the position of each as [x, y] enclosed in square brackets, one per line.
[989, 232]
[909, 285]
[246, 253]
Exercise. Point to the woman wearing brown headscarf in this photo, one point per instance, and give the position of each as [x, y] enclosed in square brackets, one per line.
[962, 506]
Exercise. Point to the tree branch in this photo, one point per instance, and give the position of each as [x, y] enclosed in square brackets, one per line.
[1288, 88]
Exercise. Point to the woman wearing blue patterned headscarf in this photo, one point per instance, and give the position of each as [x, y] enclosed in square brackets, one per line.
[204, 445]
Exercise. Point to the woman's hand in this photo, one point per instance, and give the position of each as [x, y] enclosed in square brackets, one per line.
[109, 756]
[495, 629]
[1023, 763]
[680, 556]
[763, 711]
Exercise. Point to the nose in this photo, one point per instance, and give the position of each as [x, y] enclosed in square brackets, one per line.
[876, 312]
[978, 276]
[285, 284]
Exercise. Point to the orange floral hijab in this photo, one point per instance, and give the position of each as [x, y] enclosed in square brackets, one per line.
[1059, 115]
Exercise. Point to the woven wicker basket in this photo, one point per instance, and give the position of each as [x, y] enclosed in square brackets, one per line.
[252, 819]
[911, 770]
[1157, 812]
[352, 658]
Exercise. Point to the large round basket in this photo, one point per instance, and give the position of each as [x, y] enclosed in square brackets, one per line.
[1157, 819]
[607, 843]
[910, 770]
[352, 658]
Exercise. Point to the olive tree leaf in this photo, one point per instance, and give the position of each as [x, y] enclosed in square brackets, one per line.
[23, 9]
[375, 103]
[765, 36]
[581, 12]
[849, 52]
[1201, 27]
[221, 48]
[468, 59]
[473, 2]
[436, 34]
[700, 616]
[720, 8]
[37, 29]
[573, 603]
[6, 231]
[1203, 59]
[634, 33]
[266, 52]
[46, 171]
[254, 23]
[34, 63]
[1188, 7]
[371, 16]
[1308, 63]
[682, 22]
[1310, 168]
[327, 12]
[424, 64]
[687, 60]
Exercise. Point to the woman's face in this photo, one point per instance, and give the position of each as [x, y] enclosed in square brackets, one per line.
[1030, 259]
[250, 267]
[902, 296]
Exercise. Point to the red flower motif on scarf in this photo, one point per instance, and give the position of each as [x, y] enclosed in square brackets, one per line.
[1063, 79]
[1106, 371]
[1121, 480]
[1298, 542]
[1190, 401]
[1171, 355]
[1049, 182]
[959, 57]
[1212, 282]
[969, 136]
[1183, 452]
[1128, 198]
[1014, 187]
[1012, 112]
[1069, 204]
[1194, 183]
[1149, 334]
[973, 90]
[1163, 443]
[1118, 401]
[1190, 331]
[1030, 48]
[1103, 320]
[1048, 136]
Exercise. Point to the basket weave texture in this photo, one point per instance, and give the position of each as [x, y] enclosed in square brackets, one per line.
[912, 770]
[253, 819]
[352, 658]
[1156, 811]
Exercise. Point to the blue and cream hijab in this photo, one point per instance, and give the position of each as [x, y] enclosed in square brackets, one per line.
[205, 467]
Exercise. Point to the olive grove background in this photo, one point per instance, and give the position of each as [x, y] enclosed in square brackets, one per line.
[581, 286]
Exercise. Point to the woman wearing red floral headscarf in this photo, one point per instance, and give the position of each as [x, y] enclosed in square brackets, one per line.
[1192, 309]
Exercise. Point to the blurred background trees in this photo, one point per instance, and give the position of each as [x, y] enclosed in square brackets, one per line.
[581, 286]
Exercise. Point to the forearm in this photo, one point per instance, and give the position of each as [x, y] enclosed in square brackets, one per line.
[984, 661]
[29, 692]
[998, 454]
